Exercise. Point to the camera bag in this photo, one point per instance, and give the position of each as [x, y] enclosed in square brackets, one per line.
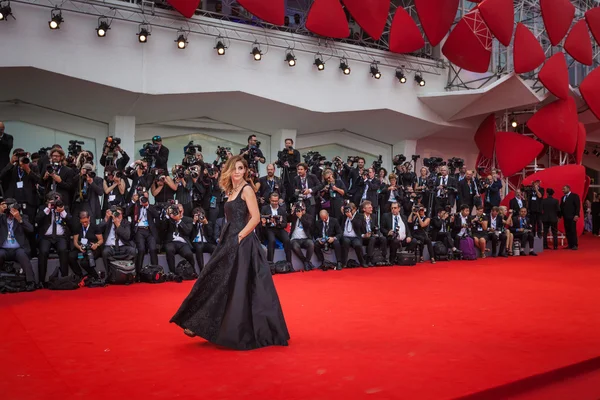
[12, 282]
[121, 272]
[185, 270]
[440, 251]
[406, 259]
[152, 274]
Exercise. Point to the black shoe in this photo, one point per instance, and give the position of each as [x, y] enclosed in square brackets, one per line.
[523, 254]
[31, 287]
[574, 248]
[339, 267]
[532, 253]
[307, 266]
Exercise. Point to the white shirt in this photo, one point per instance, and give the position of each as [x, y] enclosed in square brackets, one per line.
[325, 224]
[463, 221]
[110, 241]
[493, 221]
[176, 236]
[200, 238]
[304, 184]
[299, 231]
[59, 229]
[397, 222]
[364, 196]
[274, 211]
[443, 181]
[143, 217]
[348, 228]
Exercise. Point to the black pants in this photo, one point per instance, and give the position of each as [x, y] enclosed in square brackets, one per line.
[498, 238]
[551, 226]
[596, 225]
[396, 245]
[59, 243]
[77, 264]
[145, 241]
[200, 248]
[424, 240]
[111, 253]
[337, 248]
[356, 244]
[19, 255]
[444, 237]
[536, 223]
[181, 248]
[440, 203]
[525, 237]
[298, 244]
[372, 242]
[284, 238]
[570, 231]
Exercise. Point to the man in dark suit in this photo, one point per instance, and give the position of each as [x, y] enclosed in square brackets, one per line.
[370, 190]
[179, 229]
[492, 185]
[445, 194]
[301, 234]
[308, 185]
[118, 163]
[521, 229]
[441, 227]
[352, 233]
[145, 233]
[534, 201]
[370, 233]
[252, 153]
[202, 236]
[395, 228]
[496, 232]
[517, 202]
[550, 213]
[468, 191]
[53, 223]
[85, 234]
[13, 244]
[274, 227]
[88, 189]
[58, 178]
[569, 210]
[6, 145]
[356, 182]
[328, 232]
[116, 236]
[162, 157]
[269, 184]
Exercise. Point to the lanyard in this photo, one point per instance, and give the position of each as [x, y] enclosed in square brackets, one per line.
[11, 224]
[85, 230]
[20, 173]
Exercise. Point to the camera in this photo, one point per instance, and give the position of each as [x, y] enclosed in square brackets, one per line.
[433, 162]
[141, 194]
[119, 174]
[12, 206]
[56, 203]
[74, 147]
[222, 152]
[347, 209]
[325, 243]
[52, 168]
[352, 159]
[377, 163]
[149, 151]
[527, 189]
[86, 250]
[200, 216]
[399, 159]
[272, 220]
[112, 142]
[194, 171]
[89, 173]
[115, 211]
[210, 171]
[455, 163]
[44, 150]
[178, 171]
[173, 210]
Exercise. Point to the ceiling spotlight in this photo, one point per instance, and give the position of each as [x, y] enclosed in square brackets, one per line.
[5, 11]
[400, 75]
[596, 153]
[291, 60]
[319, 62]
[256, 52]
[375, 71]
[143, 33]
[514, 123]
[419, 79]
[181, 40]
[220, 47]
[55, 19]
[103, 26]
[344, 66]
[586, 152]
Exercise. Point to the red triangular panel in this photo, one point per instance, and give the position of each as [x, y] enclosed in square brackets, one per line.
[436, 17]
[405, 36]
[371, 15]
[592, 17]
[515, 151]
[590, 91]
[557, 15]
[469, 45]
[556, 124]
[527, 53]
[579, 44]
[581, 139]
[499, 16]
[485, 136]
[554, 75]
[272, 11]
[327, 18]
[185, 7]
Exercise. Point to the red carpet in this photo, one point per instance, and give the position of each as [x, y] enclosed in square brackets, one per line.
[427, 332]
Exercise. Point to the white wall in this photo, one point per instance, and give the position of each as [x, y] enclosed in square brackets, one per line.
[448, 148]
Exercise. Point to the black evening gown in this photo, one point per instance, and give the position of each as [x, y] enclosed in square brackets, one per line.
[234, 302]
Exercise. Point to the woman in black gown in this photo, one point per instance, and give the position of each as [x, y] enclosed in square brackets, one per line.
[234, 302]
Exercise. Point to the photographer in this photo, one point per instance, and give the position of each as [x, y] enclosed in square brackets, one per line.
[270, 184]
[115, 188]
[497, 232]
[441, 227]
[87, 243]
[58, 178]
[161, 159]
[446, 189]
[88, 189]
[369, 230]
[328, 234]
[163, 188]
[370, 188]
[517, 202]
[181, 178]
[306, 187]
[332, 194]
[396, 230]
[288, 159]
[352, 235]
[356, 180]
[274, 221]
[110, 154]
[550, 213]
[507, 221]
[491, 190]
[535, 196]
[252, 153]
[140, 175]
[213, 199]
[521, 230]
[419, 224]
[301, 234]
[390, 194]
[479, 222]
[6, 145]
[178, 232]
[461, 228]
[13, 245]
[53, 223]
[143, 221]
[116, 235]
[202, 237]
[468, 192]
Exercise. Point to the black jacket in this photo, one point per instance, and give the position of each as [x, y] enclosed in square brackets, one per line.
[492, 194]
[281, 210]
[333, 229]
[357, 225]
[43, 222]
[207, 232]
[308, 222]
[134, 211]
[19, 230]
[499, 224]
[387, 224]
[10, 177]
[436, 225]
[123, 232]
[162, 158]
[183, 228]
[535, 206]
[91, 233]
[372, 186]
[570, 206]
[265, 188]
[450, 183]
[121, 162]
[517, 223]
[6, 145]
[89, 201]
[467, 192]
[64, 187]
[550, 210]
[514, 205]
[312, 182]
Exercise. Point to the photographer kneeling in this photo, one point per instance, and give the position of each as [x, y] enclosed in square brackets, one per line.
[420, 223]
[13, 244]
[87, 242]
[274, 220]
[202, 236]
[178, 231]
[116, 236]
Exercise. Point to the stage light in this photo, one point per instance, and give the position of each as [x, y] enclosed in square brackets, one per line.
[181, 40]
[256, 52]
[596, 153]
[344, 66]
[319, 62]
[103, 26]
[419, 79]
[400, 75]
[514, 123]
[55, 19]
[586, 152]
[143, 33]
[375, 71]
[220, 47]
[291, 60]
[5, 11]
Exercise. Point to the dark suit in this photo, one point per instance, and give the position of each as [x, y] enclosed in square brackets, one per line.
[445, 199]
[145, 237]
[276, 231]
[162, 158]
[117, 251]
[202, 241]
[372, 193]
[514, 205]
[570, 207]
[6, 145]
[497, 235]
[550, 213]
[268, 186]
[19, 254]
[63, 188]
[355, 242]
[441, 231]
[336, 201]
[307, 221]
[333, 230]
[394, 243]
[373, 240]
[492, 196]
[467, 190]
[181, 229]
[309, 182]
[47, 241]
[524, 237]
[535, 210]
[87, 196]
[120, 163]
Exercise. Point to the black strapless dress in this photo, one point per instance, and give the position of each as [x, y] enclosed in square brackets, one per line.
[234, 302]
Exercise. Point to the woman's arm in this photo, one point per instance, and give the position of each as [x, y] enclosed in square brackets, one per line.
[249, 196]
[424, 224]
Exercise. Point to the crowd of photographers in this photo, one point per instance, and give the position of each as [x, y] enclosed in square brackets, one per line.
[53, 202]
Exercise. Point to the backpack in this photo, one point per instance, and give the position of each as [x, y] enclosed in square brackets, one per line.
[327, 265]
[378, 258]
[281, 267]
[186, 271]
[65, 282]
[352, 264]
[467, 247]
[121, 272]
[12, 282]
[152, 274]
[440, 251]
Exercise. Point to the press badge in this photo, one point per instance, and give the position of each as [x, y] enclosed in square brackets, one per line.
[112, 197]
[84, 241]
[20, 185]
